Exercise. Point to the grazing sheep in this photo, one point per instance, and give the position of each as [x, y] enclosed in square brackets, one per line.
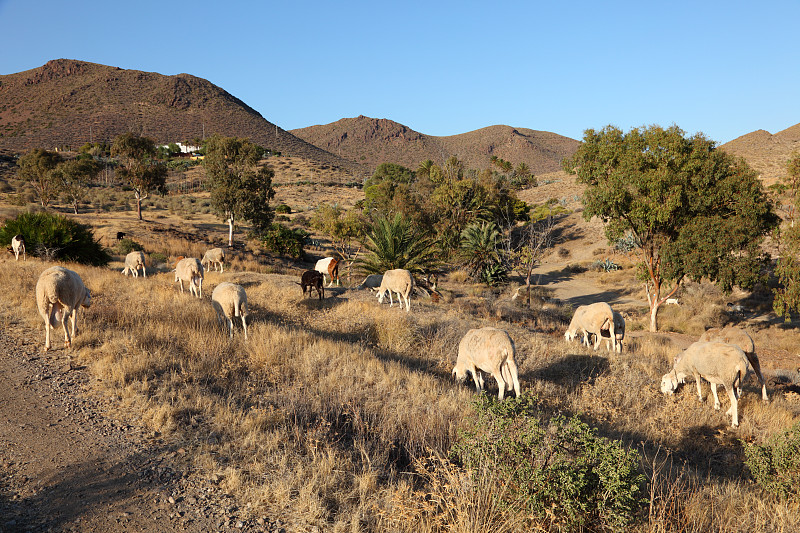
[400, 281]
[18, 245]
[212, 258]
[190, 270]
[329, 266]
[739, 337]
[230, 300]
[671, 301]
[718, 363]
[488, 350]
[591, 319]
[619, 333]
[59, 294]
[120, 235]
[371, 282]
[133, 261]
[312, 279]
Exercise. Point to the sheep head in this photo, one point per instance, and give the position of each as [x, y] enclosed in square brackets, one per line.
[459, 373]
[87, 299]
[669, 382]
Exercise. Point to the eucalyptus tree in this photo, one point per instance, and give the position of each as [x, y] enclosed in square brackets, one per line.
[73, 177]
[241, 187]
[787, 294]
[139, 166]
[696, 211]
[36, 167]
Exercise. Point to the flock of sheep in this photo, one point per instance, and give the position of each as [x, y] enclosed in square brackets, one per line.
[720, 356]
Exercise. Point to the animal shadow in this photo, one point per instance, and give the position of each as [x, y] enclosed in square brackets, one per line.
[572, 370]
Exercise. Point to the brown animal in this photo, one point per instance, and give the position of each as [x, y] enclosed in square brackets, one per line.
[329, 266]
[313, 279]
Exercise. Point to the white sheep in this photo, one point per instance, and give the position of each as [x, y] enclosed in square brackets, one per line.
[400, 281]
[230, 300]
[739, 337]
[718, 363]
[212, 258]
[619, 333]
[190, 270]
[328, 266]
[371, 282]
[59, 294]
[18, 245]
[591, 319]
[672, 301]
[133, 261]
[488, 350]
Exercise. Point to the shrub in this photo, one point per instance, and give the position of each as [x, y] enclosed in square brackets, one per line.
[126, 246]
[283, 209]
[559, 470]
[606, 266]
[157, 258]
[284, 241]
[53, 237]
[628, 243]
[775, 465]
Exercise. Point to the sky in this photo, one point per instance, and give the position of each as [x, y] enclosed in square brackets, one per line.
[723, 69]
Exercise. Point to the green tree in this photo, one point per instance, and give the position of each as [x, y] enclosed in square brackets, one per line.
[73, 177]
[36, 167]
[481, 252]
[395, 243]
[240, 187]
[787, 294]
[380, 188]
[344, 228]
[138, 166]
[697, 212]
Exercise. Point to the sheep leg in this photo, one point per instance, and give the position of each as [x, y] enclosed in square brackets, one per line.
[716, 398]
[753, 359]
[511, 369]
[244, 326]
[699, 391]
[501, 383]
[47, 320]
[391, 302]
[734, 408]
[181, 282]
[64, 320]
[144, 272]
[230, 327]
[477, 378]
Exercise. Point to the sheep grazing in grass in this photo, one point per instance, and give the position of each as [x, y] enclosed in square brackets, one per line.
[312, 279]
[133, 261]
[120, 235]
[489, 350]
[190, 270]
[672, 301]
[213, 258]
[739, 337]
[718, 363]
[591, 320]
[230, 300]
[371, 282]
[18, 246]
[59, 294]
[328, 266]
[619, 333]
[400, 281]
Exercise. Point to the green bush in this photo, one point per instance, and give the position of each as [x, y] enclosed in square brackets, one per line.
[283, 209]
[157, 258]
[775, 465]
[605, 266]
[55, 237]
[126, 246]
[559, 470]
[281, 240]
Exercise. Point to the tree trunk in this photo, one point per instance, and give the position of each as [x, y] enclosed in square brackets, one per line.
[654, 317]
[139, 207]
[75, 207]
[230, 231]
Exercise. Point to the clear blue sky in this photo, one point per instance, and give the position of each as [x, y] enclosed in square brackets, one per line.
[443, 68]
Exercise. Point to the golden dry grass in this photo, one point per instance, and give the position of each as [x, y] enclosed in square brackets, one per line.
[345, 398]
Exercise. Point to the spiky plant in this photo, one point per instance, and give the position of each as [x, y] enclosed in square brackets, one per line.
[480, 252]
[395, 243]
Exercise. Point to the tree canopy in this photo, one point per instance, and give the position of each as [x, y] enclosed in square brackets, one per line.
[36, 167]
[696, 211]
[240, 188]
[787, 294]
[139, 167]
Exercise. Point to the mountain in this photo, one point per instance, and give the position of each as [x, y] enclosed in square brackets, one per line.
[66, 103]
[372, 141]
[765, 152]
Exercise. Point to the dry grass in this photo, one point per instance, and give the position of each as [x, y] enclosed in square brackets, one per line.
[345, 397]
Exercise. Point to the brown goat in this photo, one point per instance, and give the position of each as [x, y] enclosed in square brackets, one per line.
[312, 279]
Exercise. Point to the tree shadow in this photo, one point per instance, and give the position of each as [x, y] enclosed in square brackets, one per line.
[571, 371]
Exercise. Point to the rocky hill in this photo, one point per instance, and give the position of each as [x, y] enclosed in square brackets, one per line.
[371, 141]
[767, 153]
[67, 103]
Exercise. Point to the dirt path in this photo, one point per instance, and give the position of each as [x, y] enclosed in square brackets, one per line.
[66, 464]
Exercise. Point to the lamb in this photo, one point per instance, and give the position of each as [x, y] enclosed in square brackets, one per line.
[739, 337]
[400, 281]
[133, 261]
[671, 301]
[18, 245]
[59, 294]
[591, 319]
[488, 350]
[329, 266]
[230, 300]
[190, 270]
[371, 282]
[619, 329]
[313, 279]
[718, 363]
[212, 258]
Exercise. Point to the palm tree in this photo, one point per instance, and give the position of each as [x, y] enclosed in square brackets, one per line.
[396, 243]
[479, 248]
